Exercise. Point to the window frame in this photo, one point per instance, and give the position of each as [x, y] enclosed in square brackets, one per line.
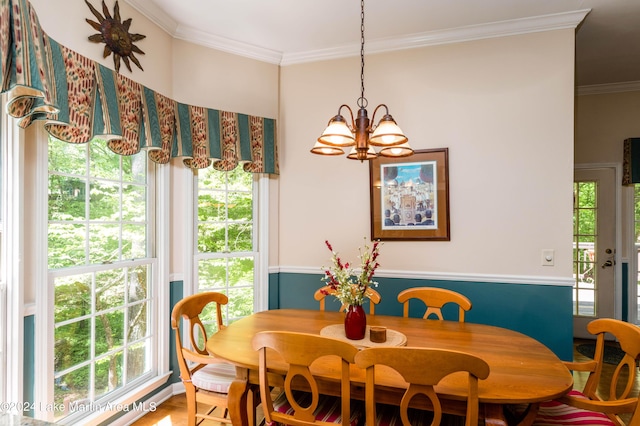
[13, 268]
[4, 124]
[159, 185]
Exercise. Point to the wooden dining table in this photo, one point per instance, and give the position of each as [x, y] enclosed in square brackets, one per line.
[523, 370]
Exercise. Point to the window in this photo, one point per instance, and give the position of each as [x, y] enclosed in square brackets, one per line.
[3, 279]
[101, 269]
[584, 240]
[227, 255]
[636, 243]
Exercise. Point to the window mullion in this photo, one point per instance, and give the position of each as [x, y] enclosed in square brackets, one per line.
[127, 320]
[261, 242]
[87, 201]
[121, 198]
[92, 346]
[226, 221]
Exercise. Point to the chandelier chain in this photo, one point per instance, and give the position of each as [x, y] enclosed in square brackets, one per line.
[361, 133]
[362, 102]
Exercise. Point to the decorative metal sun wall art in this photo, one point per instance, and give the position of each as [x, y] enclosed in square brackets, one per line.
[115, 35]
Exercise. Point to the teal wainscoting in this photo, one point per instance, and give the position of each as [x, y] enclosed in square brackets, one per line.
[625, 291]
[175, 294]
[29, 362]
[543, 312]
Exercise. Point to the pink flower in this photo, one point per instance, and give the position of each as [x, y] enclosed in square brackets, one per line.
[348, 286]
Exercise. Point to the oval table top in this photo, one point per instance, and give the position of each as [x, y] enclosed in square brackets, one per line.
[523, 370]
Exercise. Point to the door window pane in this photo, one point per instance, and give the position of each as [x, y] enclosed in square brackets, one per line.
[584, 248]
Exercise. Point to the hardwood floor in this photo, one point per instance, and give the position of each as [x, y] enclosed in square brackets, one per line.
[173, 412]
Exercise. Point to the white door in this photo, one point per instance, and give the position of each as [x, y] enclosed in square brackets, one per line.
[594, 247]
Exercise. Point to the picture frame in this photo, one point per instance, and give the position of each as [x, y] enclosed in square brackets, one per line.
[410, 196]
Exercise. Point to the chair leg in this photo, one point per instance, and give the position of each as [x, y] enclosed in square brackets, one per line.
[253, 399]
[192, 407]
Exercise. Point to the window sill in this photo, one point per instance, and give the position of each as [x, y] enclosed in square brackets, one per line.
[128, 404]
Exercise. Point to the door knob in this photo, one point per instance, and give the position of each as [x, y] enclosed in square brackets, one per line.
[608, 263]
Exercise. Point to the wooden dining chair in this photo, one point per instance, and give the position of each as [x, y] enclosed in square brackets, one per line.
[422, 369]
[309, 407]
[206, 379]
[587, 406]
[321, 294]
[434, 298]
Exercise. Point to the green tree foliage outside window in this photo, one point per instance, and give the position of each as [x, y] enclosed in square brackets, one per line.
[225, 244]
[636, 211]
[100, 269]
[585, 235]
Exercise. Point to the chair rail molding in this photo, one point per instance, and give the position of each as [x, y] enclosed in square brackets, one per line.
[445, 276]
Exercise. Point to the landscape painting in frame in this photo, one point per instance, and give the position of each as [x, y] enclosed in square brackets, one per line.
[410, 196]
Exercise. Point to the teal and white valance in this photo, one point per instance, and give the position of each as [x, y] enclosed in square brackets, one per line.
[79, 100]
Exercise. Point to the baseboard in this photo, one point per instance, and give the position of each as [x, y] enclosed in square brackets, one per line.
[151, 404]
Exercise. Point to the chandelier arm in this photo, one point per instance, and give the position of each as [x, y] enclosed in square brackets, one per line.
[373, 125]
[353, 123]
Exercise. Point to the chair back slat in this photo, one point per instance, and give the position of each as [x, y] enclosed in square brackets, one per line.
[190, 310]
[624, 376]
[299, 351]
[423, 369]
[592, 405]
[196, 365]
[434, 299]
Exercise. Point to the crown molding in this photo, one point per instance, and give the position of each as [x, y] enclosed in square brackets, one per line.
[227, 45]
[599, 89]
[557, 21]
[155, 15]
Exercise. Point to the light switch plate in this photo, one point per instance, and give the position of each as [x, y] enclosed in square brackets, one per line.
[548, 257]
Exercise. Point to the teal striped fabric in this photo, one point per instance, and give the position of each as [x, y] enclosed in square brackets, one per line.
[79, 100]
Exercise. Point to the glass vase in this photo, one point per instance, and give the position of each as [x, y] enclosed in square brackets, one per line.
[355, 322]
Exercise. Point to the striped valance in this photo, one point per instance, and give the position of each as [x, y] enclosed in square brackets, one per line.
[79, 100]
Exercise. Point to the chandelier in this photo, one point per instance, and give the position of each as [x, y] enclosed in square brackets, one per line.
[360, 133]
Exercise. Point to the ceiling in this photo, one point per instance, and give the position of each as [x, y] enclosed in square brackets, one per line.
[293, 31]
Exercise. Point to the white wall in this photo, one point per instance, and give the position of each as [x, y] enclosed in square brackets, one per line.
[223, 81]
[603, 122]
[503, 107]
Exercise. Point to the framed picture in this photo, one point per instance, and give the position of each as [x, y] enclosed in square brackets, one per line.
[410, 196]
